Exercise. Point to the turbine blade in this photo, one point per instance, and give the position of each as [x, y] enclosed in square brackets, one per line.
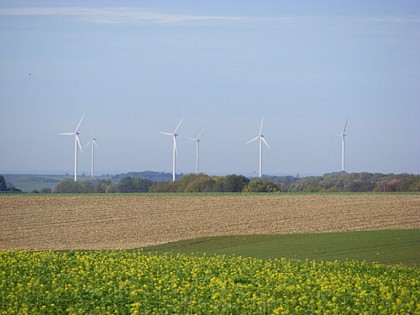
[66, 133]
[199, 135]
[78, 142]
[253, 139]
[265, 142]
[166, 133]
[80, 122]
[345, 126]
[192, 139]
[88, 143]
[178, 126]
[94, 142]
[262, 122]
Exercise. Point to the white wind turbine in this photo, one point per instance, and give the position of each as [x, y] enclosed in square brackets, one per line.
[76, 144]
[93, 144]
[262, 140]
[343, 147]
[173, 135]
[197, 151]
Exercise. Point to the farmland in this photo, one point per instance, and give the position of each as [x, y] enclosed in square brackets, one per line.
[139, 282]
[123, 222]
[132, 221]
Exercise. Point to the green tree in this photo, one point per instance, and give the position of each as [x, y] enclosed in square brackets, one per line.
[234, 183]
[133, 185]
[201, 184]
[3, 185]
[261, 185]
[102, 185]
[112, 189]
[161, 187]
[67, 186]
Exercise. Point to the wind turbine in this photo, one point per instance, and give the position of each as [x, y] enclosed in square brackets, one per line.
[262, 140]
[76, 144]
[93, 144]
[197, 151]
[173, 135]
[343, 146]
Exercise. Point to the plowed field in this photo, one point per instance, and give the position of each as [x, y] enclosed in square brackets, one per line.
[112, 221]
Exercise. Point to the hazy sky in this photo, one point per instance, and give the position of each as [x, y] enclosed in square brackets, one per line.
[137, 67]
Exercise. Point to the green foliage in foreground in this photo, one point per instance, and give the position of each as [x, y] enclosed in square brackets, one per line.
[131, 282]
[385, 246]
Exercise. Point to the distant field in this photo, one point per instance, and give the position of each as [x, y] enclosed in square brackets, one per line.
[384, 246]
[133, 221]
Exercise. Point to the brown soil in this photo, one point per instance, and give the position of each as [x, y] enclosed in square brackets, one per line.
[112, 221]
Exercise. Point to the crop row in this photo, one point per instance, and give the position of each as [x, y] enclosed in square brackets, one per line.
[133, 282]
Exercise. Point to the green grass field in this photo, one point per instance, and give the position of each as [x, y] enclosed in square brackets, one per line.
[386, 246]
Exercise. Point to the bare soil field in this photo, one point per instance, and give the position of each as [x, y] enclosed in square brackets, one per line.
[116, 222]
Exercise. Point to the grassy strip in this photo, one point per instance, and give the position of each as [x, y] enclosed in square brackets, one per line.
[384, 246]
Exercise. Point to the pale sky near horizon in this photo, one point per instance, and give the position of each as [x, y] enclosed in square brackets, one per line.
[137, 67]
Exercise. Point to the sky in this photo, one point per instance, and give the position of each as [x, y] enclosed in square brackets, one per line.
[137, 68]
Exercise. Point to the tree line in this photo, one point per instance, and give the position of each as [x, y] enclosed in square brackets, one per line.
[192, 183]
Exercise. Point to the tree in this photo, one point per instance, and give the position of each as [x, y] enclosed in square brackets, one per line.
[112, 189]
[201, 184]
[3, 185]
[133, 185]
[161, 187]
[126, 185]
[102, 185]
[261, 185]
[234, 183]
[67, 186]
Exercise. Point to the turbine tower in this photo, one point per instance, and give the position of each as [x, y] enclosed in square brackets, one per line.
[197, 151]
[93, 144]
[76, 144]
[343, 147]
[173, 135]
[262, 140]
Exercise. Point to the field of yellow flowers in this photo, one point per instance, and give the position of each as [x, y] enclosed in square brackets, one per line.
[133, 282]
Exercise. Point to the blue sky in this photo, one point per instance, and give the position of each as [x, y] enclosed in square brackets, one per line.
[137, 67]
